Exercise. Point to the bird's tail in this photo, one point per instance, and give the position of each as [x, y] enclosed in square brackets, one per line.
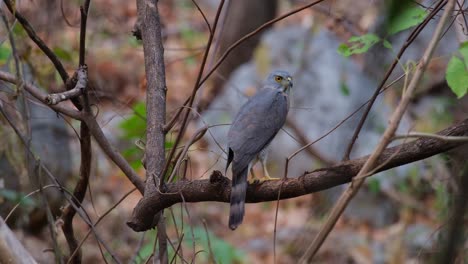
[238, 192]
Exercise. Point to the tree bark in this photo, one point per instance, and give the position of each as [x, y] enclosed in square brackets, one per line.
[218, 187]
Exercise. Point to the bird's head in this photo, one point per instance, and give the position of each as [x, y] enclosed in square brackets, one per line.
[280, 79]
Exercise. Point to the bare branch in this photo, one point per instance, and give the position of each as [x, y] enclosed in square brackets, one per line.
[218, 187]
[39, 42]
[96, 131]
[386, 138]
[82, 81]
[461, 24]
[85, 145]
[429, 135]
[197, 85]
[41, 96]
[11, 250]
[407, 43]
[313, 152]
[150, 27]
[78, 193]
[251, 34]
[113, 154]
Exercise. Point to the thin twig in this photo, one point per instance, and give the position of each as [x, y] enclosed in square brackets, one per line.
[195, 137]
[50, 217]
[429, 135]
[251, 34]
[210, 250]
[313, 152]
[290, 157]
[41, 96]
[276, 222]
[96, 131]
[68, 196]
[407, 43]
[203, 15]
[85, 146]
[197, 85]
[113, 154]
[355, 185]
[39, 42]
[98, 221]
[177, 250]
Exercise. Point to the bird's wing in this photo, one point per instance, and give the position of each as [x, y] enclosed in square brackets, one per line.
[256, 125]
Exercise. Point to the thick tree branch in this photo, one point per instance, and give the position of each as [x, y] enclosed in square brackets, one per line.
[218, 187]
[156, 91]
[148, 15]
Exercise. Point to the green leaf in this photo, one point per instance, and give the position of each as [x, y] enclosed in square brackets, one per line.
[344, 89]
[457, 76]
[407, 18]
[19, 31]
[387, 44]
[374, 185]
[358, 44]
[344, 50]
[16, 197]
[63, 54]
[135, 126]
[5, 53]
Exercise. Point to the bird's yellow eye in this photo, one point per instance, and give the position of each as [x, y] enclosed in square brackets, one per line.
[278, 78]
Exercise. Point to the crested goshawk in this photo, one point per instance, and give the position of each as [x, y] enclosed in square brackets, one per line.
[253, 129]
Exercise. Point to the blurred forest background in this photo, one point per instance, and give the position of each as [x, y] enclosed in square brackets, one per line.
[337, 51]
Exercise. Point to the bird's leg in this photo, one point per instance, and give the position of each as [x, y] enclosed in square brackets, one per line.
[266, 175]
[253, 178]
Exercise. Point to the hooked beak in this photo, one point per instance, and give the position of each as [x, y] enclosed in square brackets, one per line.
[290, 84]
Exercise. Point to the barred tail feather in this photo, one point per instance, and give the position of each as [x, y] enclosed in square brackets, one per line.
[238, 192]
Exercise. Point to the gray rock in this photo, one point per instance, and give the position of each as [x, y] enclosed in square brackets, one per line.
[50, 144]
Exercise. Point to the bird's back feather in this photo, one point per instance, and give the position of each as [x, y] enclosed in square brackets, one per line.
[256, 124]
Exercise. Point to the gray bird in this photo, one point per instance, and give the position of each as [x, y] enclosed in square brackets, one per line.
[254, 127]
